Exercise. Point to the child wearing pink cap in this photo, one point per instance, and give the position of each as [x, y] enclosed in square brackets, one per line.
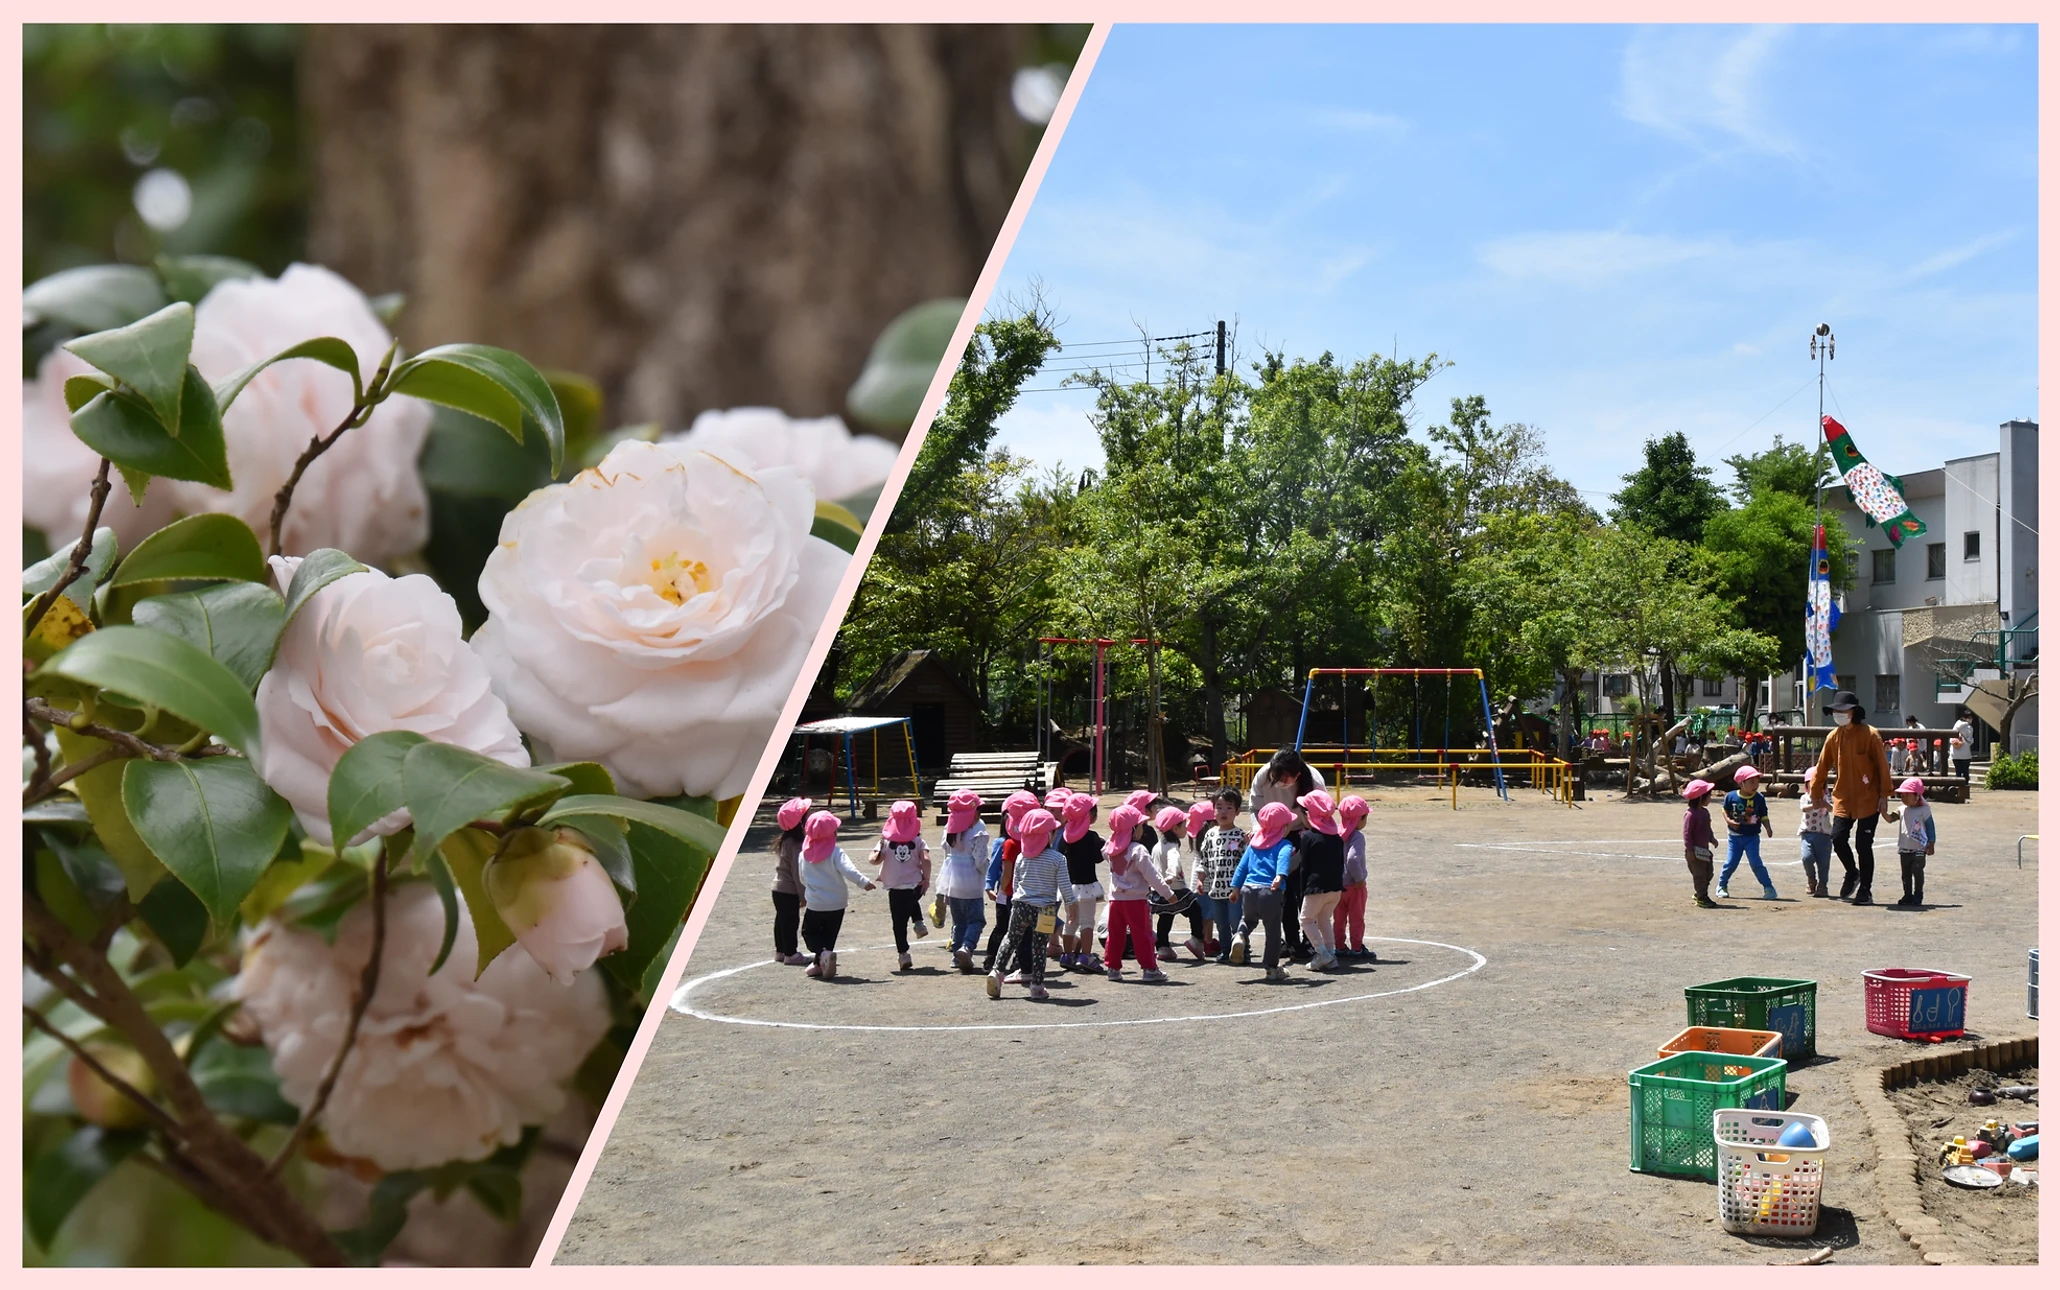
[786, 881]
[960, 882]
[1699, 840]
[1916, 837]
[1745, 814]
[1040, 879]
[1219, 846]
[1082, 847]
[1001, 864]
[1348, 924]
[1131, 876]
[1815, 831]
[1170, 859]
[827, 875]
[1260, 874]
[1322, 848]
[903, 859]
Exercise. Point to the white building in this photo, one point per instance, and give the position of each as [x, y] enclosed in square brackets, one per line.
[1922, 625]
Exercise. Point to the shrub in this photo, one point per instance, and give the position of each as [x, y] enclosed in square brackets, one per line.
[2021, 771]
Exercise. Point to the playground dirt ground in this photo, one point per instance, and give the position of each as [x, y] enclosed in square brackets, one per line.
[1463, 1101]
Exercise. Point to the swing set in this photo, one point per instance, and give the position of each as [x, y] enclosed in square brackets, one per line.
[1098, 705]
[845, 729]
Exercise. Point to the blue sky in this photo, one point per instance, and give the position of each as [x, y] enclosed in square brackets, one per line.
[1612, 232]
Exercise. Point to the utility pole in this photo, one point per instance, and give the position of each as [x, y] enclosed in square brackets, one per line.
[1219, 346]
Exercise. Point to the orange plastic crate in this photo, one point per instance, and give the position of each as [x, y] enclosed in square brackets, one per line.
[1724, 1039]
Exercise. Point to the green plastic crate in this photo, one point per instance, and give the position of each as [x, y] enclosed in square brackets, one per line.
[1760, 1003]
[1675, 1100]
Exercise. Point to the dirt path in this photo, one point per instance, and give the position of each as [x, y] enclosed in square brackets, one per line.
[1483, 1119]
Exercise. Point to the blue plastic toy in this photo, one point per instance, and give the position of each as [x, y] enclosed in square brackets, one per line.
[1798, 1135]
[2025, 1148]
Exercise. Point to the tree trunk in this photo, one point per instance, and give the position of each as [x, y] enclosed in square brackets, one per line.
[695, 217]
[1212, 700]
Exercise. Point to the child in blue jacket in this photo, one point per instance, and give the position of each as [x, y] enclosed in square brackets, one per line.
[1745, 811]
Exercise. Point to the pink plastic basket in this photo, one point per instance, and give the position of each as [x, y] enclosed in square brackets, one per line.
[1916, 1003]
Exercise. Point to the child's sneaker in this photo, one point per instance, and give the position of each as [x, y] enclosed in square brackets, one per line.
[1154, 975]
[1768, 893]
[1240, 949]
[1212, 947]
[1115, 974]
[1194, 947]
[1039, 992]
[1704, 902]
[994, 985]
[815, 968]
[829, 964]
[963, 960]
[1276, 974]
[907, 961]
[922, 929]
[1723, 893]
[1013, 978]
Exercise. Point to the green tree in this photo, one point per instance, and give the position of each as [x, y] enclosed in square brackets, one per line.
[1793, 469]
[1762, 555]
[1670, 495]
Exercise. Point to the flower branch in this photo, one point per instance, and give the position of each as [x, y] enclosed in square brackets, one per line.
[370, 397]
[76, 567]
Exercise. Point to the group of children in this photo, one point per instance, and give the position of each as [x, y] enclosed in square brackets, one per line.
[1746, 819]
[1301, 876]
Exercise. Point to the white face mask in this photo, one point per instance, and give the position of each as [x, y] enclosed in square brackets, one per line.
[1842, 718]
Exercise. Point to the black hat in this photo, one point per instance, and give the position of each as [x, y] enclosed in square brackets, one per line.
[1844, 701]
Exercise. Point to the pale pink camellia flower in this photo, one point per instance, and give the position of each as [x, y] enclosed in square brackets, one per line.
[835, 461]
[364, 495]
[368, 654]
[652, 614]
[57, 469]
[445, 1067]
[553, 894]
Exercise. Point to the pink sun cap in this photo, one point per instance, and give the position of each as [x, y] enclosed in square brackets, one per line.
[964, 807]
[1323, 813]
[1274, 818]
[1034, 830]
[1079, 816]
[904, 823]
[822, 837]
[793, 811]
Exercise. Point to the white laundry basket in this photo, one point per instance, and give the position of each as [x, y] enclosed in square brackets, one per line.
[1763, 1188]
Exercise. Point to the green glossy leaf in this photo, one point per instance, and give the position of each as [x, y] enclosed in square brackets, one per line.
[499, 1192]
[322, 349]
[468, 457]
[496, 384]
[91, 870]
[100, 793]
[467, 852]
[669, 873]
[386, 1214]
[42, 575]
[81, 390]
[654, 974]
[237, 623]
[97, 297]
[366, 785]
[125, 432]
[176, 916]
[210, 546]
[580, 403]
[283, 878]
[60, 1178]
[585, 776]
[904, 361]
[447, 895]
[191, 277]
[609, 840]
[165, 672]
[317, 570]
[449, 787]
[149, 356]
[240, 1082]
[833, 529]
[214, 823]
[696, 830]
[53, 885]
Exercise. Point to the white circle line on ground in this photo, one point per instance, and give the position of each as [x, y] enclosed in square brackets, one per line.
[682, 1005]
[1525, 847]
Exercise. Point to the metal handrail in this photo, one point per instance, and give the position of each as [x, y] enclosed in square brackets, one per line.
[2029, 837]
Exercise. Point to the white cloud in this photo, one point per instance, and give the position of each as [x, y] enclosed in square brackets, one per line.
[1588, 258]
[1746, 349]
[1705, 87]
[1052, 430]
[1953, 257]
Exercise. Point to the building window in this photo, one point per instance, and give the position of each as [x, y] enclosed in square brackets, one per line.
[1713, 687]
[1935, 560]
[1888, 693]
[1616, 687]
[1970, 545]
[1848, 682]
[1884, 564]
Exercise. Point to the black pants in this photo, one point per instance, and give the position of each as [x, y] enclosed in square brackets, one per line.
[997, 936]
[906, 905]
[819, 929]
[1913, 875]
[1291, 903]
[1024, 949]
[786, 921]
[1845, 831]
[1194, 923]
[1964, 768]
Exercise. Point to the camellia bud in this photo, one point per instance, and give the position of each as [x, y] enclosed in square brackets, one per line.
[100, 1102]
[553, 894]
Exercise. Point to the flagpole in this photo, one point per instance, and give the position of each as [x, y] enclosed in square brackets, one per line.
[1822, 346]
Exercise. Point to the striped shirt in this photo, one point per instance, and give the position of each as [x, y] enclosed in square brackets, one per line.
[1041, 879]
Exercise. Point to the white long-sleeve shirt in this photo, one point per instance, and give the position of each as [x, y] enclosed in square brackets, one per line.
[963, 875]
[826, 884]
[1170, 859]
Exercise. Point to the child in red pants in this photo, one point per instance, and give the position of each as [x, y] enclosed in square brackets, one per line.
[1131, 875]
[1351, 912]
